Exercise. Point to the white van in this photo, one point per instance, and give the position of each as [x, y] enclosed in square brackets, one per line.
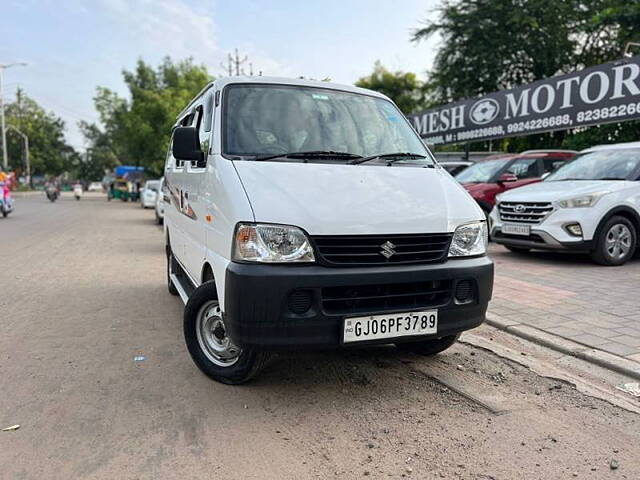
[591, 204]
[310, 215]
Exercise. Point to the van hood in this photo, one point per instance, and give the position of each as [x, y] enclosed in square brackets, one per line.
[329, 199]
[562, 190]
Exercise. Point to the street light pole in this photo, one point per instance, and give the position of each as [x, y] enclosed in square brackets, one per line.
[5, 159]
[26, 151]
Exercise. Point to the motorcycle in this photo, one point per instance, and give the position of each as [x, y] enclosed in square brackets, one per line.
[52, 193]
[77, 191]
[6, 202]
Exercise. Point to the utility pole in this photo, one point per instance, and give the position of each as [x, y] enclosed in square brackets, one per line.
[25, 138]
[237, 62]
[5, 159]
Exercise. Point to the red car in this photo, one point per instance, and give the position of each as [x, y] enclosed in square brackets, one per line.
[496, 174]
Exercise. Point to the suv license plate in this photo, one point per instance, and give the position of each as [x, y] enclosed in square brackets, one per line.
[375, 327]
[516, 229]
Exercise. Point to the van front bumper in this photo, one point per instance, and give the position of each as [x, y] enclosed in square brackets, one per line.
[295, 306]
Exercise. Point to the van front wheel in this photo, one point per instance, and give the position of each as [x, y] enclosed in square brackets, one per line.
[429, 347]
[210, 346]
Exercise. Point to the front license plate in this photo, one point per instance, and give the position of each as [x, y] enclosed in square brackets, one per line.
[394, 325]
[516, 229]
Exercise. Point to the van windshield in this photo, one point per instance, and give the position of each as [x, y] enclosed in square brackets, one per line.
[262, 120]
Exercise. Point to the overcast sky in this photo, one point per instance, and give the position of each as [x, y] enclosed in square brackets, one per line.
[72, 46]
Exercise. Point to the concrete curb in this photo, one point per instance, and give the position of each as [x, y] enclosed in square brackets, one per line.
[568, 347]
[31, 193]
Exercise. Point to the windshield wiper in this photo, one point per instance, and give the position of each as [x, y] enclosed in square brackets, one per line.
[394, 157]
[310, 154]
[610, 178]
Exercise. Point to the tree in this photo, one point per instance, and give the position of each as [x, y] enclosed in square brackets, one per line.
[403, 88]
[49, 153]
[489, 45]
[137, 130]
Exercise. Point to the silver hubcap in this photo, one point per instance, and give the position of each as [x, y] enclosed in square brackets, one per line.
[618, 241]
[212, 336]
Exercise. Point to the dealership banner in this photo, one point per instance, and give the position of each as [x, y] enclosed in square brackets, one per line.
[601, 94]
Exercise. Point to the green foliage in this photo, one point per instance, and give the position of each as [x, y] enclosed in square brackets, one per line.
[402, 87]
[137, 130]
[48, 151]
[489, 45]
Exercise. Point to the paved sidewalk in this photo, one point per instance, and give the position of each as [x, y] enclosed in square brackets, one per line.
[569, 296]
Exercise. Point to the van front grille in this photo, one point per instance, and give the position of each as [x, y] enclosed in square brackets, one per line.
[369, 299]
[347, 250]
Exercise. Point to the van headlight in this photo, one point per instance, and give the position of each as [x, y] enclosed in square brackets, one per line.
[582, 201]
[470, 239]
[268, 243]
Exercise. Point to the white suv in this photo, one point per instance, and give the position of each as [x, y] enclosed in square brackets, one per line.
[310, 215]
[591, 204]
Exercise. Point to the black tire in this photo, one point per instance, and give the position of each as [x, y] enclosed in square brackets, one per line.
[171, 265]
[248, 364]
[602, 254]
[4, 213]
[158, 219]
[429, 347]
[518, 249]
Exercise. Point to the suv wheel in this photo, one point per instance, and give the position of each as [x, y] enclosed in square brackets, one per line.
[429, 347]
[616, 242]
[211, 348]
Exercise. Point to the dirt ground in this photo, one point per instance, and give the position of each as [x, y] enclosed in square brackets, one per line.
[83, 293]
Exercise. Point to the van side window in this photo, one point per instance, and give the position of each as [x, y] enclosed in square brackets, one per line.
[203, 133]
[208, 111]
[188, 120]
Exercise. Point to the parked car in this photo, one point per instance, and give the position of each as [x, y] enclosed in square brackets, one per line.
[455, 168]
[149, 194]
[591, 204]
[488, 178]
[95, 187]
[311, 215]
[161, 201]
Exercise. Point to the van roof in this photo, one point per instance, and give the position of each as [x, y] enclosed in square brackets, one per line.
[224, 81]
[613, 146]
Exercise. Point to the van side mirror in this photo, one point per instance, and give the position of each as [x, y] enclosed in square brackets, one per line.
[507, 177]
[186, 145]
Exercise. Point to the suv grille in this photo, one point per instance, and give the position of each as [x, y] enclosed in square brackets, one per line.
[390, 297]
[382, 249]
[524, 212]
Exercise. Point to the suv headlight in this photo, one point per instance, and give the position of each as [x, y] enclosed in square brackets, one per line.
[470, 239]
[269, 243]
[583, 201]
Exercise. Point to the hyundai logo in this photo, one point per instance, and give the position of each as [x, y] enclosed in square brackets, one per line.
[388, 249]
[519, 208]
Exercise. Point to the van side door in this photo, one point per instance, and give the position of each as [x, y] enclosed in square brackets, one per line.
[175, 173]
[196, 211]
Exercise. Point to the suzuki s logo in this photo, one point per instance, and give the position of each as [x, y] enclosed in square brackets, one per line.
[519, 208]
[388, 249]
[484, 111]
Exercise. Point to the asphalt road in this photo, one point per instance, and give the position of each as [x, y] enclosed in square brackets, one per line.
[82, 293]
